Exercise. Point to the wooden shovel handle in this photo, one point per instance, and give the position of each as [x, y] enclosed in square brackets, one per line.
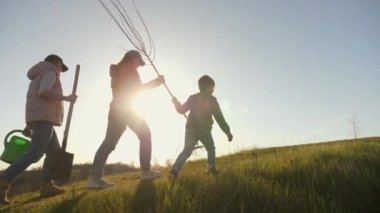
[68, 121]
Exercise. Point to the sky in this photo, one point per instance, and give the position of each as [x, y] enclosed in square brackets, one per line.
[287, 72]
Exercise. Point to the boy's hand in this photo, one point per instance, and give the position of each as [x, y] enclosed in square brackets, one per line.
[230, 137]
[175, 101]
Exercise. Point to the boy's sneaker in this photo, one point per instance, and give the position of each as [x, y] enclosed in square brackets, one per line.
[173, 175]
[49, 189]
[98, 183]
[150, 175]
[212, 170]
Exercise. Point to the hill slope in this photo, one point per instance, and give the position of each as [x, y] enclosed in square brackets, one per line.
[341, 176]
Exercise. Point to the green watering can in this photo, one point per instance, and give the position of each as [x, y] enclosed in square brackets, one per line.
[15, 147]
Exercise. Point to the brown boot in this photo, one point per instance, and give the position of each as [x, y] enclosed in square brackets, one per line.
[4, 189]
[48, 189]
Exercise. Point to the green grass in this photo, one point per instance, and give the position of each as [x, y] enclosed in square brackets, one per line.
[341, 176]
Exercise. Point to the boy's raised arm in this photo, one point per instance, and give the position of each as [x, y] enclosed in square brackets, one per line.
[181, 108]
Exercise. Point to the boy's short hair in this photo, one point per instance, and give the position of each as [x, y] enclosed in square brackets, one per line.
[204, 82]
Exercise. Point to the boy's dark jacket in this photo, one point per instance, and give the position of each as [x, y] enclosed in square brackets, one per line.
[202, 107]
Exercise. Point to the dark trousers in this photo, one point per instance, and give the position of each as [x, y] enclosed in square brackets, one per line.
[44, 141]
[192, 137]
[117, 124]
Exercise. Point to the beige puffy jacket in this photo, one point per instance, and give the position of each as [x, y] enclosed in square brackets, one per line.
[37, 108]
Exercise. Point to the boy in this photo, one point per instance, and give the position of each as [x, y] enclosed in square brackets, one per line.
[202, 107]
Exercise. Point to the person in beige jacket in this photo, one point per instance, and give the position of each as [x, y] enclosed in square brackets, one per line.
[44, 110]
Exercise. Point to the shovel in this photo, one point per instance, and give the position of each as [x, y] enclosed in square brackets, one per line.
[62, 161]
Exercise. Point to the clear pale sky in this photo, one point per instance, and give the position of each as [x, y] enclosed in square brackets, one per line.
[286, 72]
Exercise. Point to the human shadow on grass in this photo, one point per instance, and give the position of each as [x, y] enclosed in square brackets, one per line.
[69, 204]
[145, 197]
[37, 199]
[17, 205]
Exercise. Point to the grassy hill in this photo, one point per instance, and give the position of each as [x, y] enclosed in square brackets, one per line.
[30, 180]
[340, 176]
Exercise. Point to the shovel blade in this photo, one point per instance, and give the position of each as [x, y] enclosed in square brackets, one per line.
[62, 166]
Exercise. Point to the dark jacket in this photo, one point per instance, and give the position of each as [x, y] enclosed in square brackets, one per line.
[202, 107]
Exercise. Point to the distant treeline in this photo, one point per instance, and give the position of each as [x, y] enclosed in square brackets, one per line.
[31, 180]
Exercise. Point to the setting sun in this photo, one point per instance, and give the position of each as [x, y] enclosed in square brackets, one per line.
[167, 126]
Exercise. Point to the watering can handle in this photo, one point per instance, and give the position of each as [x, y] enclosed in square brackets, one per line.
[9, 134]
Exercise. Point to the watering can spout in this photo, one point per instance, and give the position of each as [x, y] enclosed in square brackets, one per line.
[15, 147]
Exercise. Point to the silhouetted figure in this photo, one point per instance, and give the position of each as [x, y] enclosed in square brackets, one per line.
[44, 109]
[203, 106]
[125, 83]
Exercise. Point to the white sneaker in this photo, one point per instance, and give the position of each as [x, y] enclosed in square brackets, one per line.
[98, 183]
[150, 175]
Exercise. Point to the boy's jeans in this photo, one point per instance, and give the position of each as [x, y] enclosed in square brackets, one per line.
[44, 141]
[192, 136]
[117, 123]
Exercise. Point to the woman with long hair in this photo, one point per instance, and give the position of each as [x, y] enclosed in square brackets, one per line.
[125, 83]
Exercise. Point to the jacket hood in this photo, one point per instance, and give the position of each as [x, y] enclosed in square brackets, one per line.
[113, 71]
[40, 68]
